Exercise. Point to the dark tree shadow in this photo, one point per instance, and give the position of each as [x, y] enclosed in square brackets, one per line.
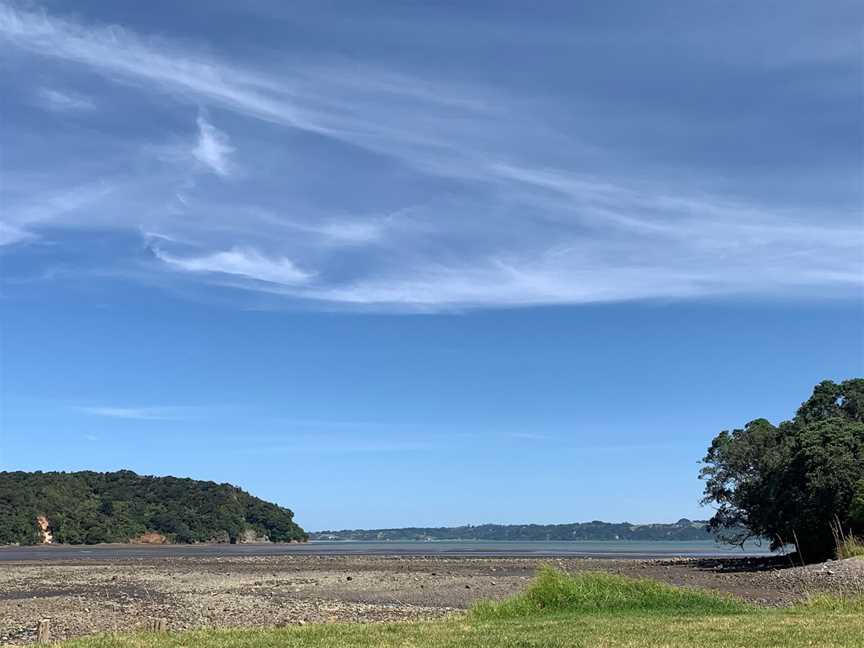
[748, 563]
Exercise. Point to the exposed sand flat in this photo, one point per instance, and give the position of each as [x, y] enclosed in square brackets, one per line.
[89, 596]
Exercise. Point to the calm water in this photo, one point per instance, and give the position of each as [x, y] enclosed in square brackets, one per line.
[607, 549]
[598, 549]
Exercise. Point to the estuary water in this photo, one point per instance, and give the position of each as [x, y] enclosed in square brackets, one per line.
[574, 549]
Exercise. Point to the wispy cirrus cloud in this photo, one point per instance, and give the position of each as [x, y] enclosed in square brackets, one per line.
[532, 436]
[365, 106]
[46, 206]
[61, 101]
[140, 413]
[338, 447]
[246, 263]
[307, 100]
[10, 234]
[343, 232]
[29, 205]
[213, 148]
[488, 201]
[117, 51]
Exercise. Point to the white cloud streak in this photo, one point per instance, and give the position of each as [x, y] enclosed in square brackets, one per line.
[116, 51]
[212, 148]
[50, 206]
[312, 100]
[10, 234]
[561, 236]
[59, 101]
[245, 263]
[339, 447]
[138, 413]
[25, 209]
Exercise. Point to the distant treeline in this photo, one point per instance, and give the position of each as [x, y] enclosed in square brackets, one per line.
[90, 507]
[681, 530]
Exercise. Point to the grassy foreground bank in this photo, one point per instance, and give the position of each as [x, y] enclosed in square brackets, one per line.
[595, 610]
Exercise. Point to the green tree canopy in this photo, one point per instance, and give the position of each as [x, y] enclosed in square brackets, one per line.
[789, 483]
[856, 510]
[90, 507]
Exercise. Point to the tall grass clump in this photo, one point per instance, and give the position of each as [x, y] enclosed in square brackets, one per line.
[847, 545]
[851, 603]
[850, 548]
[554, 592]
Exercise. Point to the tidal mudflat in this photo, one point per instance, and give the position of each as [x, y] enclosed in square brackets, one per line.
[87, 596]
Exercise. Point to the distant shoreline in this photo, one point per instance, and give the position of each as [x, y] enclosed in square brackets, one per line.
[684, 530]
[600, 550]
[478, 540]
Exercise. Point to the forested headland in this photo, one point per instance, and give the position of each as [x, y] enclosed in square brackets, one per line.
[92, 507]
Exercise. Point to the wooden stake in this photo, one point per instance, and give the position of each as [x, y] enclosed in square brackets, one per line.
[43, 631]
[157, 625]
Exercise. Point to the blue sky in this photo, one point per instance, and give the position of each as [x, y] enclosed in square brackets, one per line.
[425, 263]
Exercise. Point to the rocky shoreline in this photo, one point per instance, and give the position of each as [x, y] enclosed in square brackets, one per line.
[93, 596]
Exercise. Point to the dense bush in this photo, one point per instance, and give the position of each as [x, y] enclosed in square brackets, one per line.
[554, 592]
[791, 482]
[90, 507]
[856, 509]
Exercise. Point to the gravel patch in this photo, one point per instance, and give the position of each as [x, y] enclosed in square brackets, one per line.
[110, 596]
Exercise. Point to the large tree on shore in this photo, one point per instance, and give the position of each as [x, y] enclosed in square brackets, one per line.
[791, 482]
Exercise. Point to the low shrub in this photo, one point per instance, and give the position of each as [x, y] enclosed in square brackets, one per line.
[556, 592]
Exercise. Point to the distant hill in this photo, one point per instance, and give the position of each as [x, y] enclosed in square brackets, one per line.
[90, 507]
[681, 530]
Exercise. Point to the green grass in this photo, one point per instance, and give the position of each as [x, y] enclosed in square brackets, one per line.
[554, 592]
[558, 611]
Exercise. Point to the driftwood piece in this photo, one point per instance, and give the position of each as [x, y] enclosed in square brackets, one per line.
[43, 631]
[157, 625]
